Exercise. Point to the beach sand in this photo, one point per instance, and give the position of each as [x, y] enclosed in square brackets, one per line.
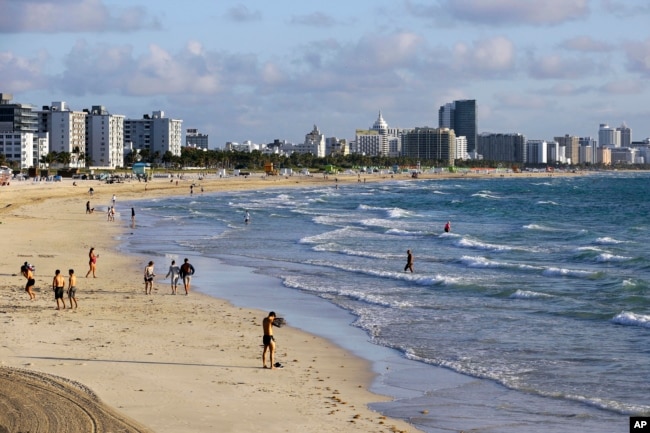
[125, 361]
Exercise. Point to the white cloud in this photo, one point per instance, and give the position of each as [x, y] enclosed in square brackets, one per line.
[623, 87]
[486, 56]
[21, 74]
[315, 19]
[503, 12]
[71, 16]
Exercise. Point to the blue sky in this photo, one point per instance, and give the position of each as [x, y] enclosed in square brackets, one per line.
[261, 70]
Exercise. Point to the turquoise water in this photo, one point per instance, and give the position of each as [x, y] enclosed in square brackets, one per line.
[538, 293]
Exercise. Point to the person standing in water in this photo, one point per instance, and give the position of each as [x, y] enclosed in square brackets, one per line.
[448, 227]
[409, 261]
[247, 217]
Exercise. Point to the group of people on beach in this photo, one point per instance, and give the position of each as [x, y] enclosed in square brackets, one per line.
[183, 272]
[409, 254]
[58, 286]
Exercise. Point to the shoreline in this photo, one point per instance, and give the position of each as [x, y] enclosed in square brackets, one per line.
[168, 363]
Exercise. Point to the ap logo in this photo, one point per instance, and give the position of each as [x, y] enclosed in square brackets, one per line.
[640, 424]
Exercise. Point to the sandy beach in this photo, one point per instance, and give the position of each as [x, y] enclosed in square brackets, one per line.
[125, 361]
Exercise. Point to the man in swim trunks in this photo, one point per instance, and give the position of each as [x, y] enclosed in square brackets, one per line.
[26, 270]
[72, 288]
[58, 283]
[268, 340]
[186, 272]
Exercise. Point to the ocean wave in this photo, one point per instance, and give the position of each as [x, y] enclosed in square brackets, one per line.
[486, 194]
[606, 257]
[483, 262]
[358, 295]
[563, 272]
[529, 294]
[632, 319]
[548, 202]
[608, 241]
[468, 243]
[540, 227]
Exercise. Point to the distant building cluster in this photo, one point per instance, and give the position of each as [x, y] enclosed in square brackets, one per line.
[91, 137]
[96, 138]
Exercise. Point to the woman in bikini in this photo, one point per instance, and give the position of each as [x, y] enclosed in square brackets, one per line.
[92, 262]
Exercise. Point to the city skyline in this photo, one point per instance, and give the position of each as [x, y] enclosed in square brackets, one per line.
[255, 71]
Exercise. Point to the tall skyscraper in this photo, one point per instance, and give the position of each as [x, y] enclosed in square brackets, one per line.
[626, 135]
[461, 117]
[571, 146]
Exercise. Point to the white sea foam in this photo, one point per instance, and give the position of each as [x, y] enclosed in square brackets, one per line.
[485, 194]
[464, 242]
[529, 294]
[563, 272]
[608, 241]
[632, 319]
[606, 257]
[548, 202]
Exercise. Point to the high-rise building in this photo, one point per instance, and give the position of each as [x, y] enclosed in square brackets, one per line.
[433, 144]
[105, 131]
[502, 147]
[16, 117]
[536, 151]
[66, 128]
[193, 138]
[461, 117]
[608, 136]
[625, 135]
[156, 133]
[571, 146]
[588, 153]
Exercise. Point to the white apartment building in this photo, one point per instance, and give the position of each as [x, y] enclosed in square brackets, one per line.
[461, 148]
[105, 138]
[314, 143]
[24, 148]
[536, 151]
[66, 128]
[156, 133]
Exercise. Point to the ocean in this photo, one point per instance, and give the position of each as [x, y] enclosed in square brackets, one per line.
[532, 314]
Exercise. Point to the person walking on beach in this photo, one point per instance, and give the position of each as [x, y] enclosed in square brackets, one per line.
[27, 271]
[72, 288]
[186, 272]
[58, 283]
[92, 262]
[88, 208]
[114, 198]
[409, 261]
[448, 227]
[174, 272]
[148, 278]
[268, 340]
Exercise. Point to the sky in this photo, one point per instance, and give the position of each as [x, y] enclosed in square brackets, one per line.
[261, 70]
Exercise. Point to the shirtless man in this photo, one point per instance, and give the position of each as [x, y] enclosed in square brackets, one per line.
[268, 340]
[26, 270]
[58, 283]
[72, 288]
